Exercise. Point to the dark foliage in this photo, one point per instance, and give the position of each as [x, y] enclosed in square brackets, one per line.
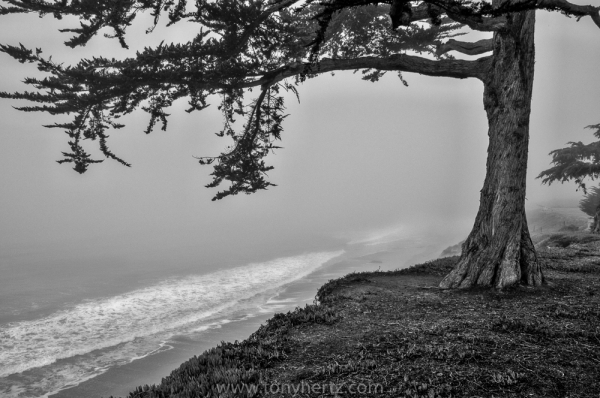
[575, 162]
[240, 44]
[269, 45]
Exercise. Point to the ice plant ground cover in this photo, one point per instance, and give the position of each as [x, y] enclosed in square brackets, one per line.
[398, 330]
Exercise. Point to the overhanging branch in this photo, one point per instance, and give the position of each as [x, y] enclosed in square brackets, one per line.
[460, 69]
[498, 21]
[476, 48]
[571, 9]
[485, 24]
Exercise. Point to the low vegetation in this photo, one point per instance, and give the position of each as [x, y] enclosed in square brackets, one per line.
[568, 239]
[395, 334]
[237, 364]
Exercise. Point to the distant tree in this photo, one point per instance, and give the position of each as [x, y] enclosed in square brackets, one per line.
[590, 201]
[275, 45]
[590, 205]
[575, 163]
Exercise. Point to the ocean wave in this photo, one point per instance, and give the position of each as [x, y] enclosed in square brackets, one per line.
[152, 313]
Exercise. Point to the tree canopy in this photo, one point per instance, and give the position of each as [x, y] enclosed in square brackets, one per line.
[241, 46]
[576, 162]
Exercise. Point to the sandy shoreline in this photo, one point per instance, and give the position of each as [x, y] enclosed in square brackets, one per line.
[119, 381]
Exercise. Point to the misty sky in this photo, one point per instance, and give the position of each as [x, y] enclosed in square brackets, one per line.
[357, 156]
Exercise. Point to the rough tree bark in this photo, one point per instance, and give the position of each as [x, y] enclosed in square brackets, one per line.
[499, 251]
[595, 228]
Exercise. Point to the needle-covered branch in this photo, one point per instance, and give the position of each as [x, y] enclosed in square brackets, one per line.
[243, 164]
[93, 15]
[571, 9]
[575, 162]
[242, 44]
[486, 17]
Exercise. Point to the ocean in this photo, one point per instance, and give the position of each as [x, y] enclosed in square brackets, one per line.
[85, 339]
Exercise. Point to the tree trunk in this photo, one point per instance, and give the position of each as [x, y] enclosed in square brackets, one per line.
[595, 229]
[499, 251]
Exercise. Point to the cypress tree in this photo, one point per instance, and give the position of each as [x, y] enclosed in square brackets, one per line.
[273, 46]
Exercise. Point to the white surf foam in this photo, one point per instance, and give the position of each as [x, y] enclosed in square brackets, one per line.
[136, 322]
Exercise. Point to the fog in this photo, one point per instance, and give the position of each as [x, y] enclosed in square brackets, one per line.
[358, 158]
